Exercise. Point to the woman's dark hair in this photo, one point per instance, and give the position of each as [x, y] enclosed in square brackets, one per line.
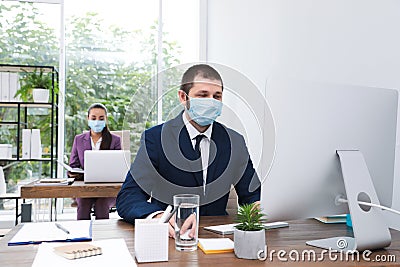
[105, 134]
[202, 70]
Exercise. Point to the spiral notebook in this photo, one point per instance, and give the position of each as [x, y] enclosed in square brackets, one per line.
[77, 251]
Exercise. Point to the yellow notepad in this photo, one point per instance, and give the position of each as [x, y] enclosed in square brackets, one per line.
[215, 245]
[77, 250]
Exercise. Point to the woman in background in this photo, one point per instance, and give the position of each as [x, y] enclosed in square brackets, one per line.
[98, 138]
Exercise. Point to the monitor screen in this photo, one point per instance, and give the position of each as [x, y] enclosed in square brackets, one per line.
[312, 121]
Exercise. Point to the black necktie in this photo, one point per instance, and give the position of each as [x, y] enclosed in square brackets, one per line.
[197, 145]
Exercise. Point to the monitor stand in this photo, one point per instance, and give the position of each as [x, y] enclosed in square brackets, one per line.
[369, 226]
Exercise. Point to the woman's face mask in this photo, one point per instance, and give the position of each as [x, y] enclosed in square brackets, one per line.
[97, 125]
[204, 111]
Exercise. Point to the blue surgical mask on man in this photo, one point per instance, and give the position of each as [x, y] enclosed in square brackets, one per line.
[204, 111]
[96, 125]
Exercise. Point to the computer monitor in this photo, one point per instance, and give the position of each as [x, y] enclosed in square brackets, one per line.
[106, 166]
[313, 121]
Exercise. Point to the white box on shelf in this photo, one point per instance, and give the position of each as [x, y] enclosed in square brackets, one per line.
[5, 151]
[26, 143]
[14, 86]
[5, 86]
[36, 144]
[151, 240]
[1, 88]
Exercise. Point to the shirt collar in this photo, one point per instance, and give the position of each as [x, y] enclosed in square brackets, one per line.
[98, 141]
[193, 132]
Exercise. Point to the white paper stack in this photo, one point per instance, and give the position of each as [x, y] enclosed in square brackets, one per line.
[114, 251]
[26, 143]
[35, 233]
[36, 144]
[228, 229]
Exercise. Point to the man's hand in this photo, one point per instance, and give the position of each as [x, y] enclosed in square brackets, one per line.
[171, 230]
[257, 205]
[190, 225]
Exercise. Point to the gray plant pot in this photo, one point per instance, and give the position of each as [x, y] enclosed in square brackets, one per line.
[247, 244]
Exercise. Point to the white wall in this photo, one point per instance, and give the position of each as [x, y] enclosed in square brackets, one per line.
[345, 41]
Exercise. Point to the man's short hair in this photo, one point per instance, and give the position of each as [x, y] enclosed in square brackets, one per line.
[202, 70]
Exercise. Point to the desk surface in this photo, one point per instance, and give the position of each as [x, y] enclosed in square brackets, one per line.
[77, 189]
[287, 239]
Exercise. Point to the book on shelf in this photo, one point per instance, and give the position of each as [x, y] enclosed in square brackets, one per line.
[26, 143]
[14, 86]
[340, 218]
[5, 85]
[36, 144]
[215, 245]
[77, 251]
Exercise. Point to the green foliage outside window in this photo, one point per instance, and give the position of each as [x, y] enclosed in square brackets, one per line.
[97, 71]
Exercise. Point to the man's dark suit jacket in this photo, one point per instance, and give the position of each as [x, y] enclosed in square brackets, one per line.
[166, 164]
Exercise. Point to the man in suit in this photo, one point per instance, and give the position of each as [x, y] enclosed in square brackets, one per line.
[191, 153]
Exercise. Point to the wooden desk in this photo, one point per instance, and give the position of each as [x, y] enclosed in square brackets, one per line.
[77, 189]
[287, 239]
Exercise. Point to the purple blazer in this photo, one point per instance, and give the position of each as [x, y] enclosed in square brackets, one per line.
[82, 143]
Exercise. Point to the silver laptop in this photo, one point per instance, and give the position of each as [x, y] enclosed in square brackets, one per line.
[106, 166]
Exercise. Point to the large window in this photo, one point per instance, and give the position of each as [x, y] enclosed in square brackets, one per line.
[113, 52]
[28, 36]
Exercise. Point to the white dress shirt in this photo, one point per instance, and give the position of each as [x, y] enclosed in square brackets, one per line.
[204, 145]
[97, 145]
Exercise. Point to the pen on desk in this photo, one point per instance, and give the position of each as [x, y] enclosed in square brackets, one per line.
[165, 214]
[59, 226]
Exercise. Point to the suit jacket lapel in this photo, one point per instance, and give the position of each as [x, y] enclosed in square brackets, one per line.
[87, 143]
[181, 134]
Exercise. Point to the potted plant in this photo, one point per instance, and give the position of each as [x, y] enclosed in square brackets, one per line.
[249, 233]
[35, 85]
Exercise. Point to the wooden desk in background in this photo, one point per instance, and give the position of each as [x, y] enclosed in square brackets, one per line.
[77, 190]
[287, 239]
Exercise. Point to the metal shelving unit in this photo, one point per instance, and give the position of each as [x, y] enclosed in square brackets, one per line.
[22, 115]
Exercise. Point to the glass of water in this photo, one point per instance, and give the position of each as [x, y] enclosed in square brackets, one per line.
[186, 221]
